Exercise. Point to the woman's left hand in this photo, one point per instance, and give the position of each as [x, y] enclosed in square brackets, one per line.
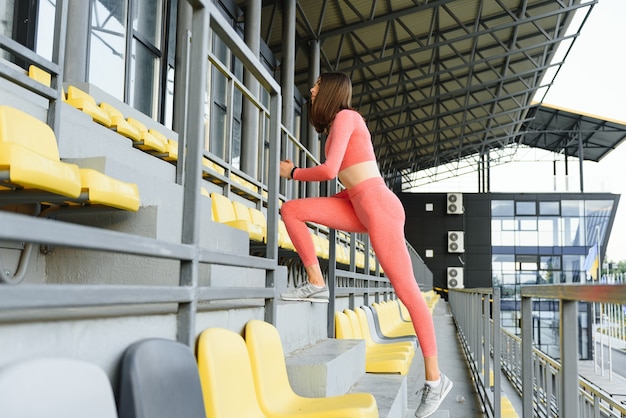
[285, 168]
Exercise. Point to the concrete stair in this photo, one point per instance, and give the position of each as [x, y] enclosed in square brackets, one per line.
[333, 367]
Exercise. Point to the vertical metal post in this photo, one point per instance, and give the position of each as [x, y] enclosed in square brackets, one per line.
[569, 358]
[527, 357]
[273, 185]
[495, 316]
[313, 140]
[193, 167]
[332, 275]
[58, 57]
[252, 140]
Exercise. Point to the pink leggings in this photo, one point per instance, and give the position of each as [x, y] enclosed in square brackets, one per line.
[368, 207]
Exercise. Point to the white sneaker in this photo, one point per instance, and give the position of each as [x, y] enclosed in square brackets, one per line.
[432, 397]
[308, 293]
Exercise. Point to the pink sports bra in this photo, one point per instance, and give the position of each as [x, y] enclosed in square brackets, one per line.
[348, 143]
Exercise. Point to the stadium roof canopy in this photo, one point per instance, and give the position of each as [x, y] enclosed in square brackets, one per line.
[440, 81]
[569, 132]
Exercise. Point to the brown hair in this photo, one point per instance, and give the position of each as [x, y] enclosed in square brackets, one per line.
[334, 94]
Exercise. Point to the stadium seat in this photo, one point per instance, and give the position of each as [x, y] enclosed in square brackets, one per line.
[376, 333]
[372, 348]
[210, 169]
[148, 141]
[389, 320]
[82, 100]
[284, 241]
[274, 392]
[29, 161]
[100, 189]
[242, 214]
[226, 375]
[407, 346]
[244, 185]
[258, 218]
[234, 214]
[55, 387]
[159, 379]
[40, 75]
[172, 151]
[376, 361]
[119, 124]
[29, 157]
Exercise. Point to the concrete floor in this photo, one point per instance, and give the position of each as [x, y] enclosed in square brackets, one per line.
[462, 401]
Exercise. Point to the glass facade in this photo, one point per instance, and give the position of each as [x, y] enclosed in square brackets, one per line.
[543, 241]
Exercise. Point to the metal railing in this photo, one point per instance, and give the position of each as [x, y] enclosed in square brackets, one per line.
[556, 387]
[475, 311]
[42, 301]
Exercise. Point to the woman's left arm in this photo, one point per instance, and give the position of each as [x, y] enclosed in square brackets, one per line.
[338, 138]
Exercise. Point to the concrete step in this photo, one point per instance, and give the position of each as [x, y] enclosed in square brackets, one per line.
[390, 391]
[330, 367]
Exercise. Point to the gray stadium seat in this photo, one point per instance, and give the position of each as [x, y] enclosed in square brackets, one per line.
[159, 379]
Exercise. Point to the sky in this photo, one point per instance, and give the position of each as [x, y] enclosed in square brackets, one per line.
[592, 80]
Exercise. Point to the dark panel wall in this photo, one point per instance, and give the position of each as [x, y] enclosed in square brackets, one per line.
[428, 230]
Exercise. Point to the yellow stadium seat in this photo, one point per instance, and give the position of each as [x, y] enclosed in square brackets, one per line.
[375, 361]
[83, 101]
[149, 142]
[101, 189]
[367, 335]
[274, 392]
[40, 75]
[211, 168]
[258, 218]
[394, 357]
[119, 124]
[284, 241]
[242, 213]
[234, 214]
[245, 184]
[172, 151]
[321, 245]
[391, 325]
[226, 375]
[29, 159]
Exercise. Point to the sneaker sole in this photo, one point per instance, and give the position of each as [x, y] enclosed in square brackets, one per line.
[314, 300]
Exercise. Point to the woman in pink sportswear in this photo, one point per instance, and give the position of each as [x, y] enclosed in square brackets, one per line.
[366, 205]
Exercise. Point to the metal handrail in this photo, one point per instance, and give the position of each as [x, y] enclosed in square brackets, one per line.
[555, 387]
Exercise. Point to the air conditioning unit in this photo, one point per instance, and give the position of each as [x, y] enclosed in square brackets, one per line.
[455, 278]
[456, 242]
[454, 203]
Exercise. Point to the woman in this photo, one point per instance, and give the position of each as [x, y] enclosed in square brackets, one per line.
[366, 205]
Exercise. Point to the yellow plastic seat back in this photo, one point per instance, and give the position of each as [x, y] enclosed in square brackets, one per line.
[274, 392]
[84, 101]
[343, 328]
[29, 155]
[226, 375]
[222, 208]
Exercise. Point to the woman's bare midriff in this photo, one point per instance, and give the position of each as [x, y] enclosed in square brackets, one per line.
[357, 173]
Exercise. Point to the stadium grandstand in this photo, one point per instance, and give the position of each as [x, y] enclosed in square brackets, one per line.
[142, 251]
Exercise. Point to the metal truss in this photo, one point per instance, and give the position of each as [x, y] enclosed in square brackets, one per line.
[440, 81]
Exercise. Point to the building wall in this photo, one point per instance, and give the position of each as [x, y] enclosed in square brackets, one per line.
[427, 226]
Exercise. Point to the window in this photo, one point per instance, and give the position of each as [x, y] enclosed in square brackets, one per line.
[131, 53]
[549, 208]
[525, 208]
